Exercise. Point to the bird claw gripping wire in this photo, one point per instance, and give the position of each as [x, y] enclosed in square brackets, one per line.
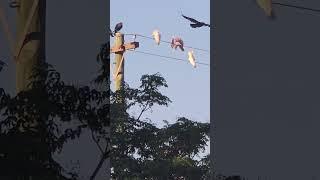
[14, 4]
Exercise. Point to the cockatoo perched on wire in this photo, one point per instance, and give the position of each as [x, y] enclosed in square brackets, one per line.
[177, 42]
[191, 58]
[156, 36]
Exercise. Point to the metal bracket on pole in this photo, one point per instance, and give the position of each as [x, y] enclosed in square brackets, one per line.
[122, 49]
[25, 30]
[131, 45]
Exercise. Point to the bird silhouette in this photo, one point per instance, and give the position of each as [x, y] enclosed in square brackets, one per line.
[195, 23]
[111, 33]
[118, 27]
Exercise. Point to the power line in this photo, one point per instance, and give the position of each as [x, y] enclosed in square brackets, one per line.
[297, 7]
[168, 57]
[168, 42]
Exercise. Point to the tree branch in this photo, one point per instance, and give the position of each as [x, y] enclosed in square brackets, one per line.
[102, 160]
[96, 141]
[143, 110]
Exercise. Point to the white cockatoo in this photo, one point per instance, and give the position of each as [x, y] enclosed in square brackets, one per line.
[191, 58]
[156, 36]
[177, 42]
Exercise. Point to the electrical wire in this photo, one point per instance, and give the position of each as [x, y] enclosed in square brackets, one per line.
[167, 42]
[297, 7]
[168, 57]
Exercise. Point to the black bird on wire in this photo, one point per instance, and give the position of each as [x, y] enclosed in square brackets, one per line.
[118, 27]
[195, 23]
[111, 33]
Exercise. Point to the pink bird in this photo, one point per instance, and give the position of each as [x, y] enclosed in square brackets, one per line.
[177, 42]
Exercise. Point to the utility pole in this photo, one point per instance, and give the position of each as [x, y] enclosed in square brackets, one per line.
[119, 49]
[29, 54]
[119, 60]
[30, 47]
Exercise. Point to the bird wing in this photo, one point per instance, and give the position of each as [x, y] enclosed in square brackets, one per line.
[190, 19]
[196, 25]
[172, 42]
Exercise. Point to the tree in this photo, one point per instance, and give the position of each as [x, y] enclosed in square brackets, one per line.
[54, 103]
[142, 150]
[137, 148]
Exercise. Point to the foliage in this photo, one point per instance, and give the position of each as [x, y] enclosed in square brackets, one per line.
[39, 115]
[142, 150]
[51, 113]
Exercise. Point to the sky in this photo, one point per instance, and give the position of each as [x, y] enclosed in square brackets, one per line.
[189, 88]
[266, 90]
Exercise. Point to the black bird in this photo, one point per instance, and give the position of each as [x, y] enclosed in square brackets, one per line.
[111, 33]
[118, 27]
[196, 23]
[2, 64]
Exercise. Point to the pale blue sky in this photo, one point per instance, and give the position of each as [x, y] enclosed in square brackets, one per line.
[189, 88]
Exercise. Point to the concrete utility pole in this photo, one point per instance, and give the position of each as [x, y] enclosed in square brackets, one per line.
[30, 47]
[119, 49]
[29, 54]
[119, 59]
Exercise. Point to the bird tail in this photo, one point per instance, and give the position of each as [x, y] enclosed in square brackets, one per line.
[182, 49]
